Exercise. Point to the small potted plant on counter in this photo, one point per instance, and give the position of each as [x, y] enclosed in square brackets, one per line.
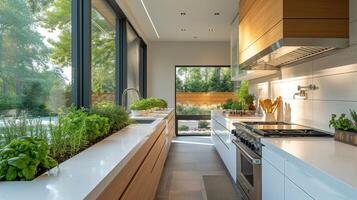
[143, 106]
[345, 129]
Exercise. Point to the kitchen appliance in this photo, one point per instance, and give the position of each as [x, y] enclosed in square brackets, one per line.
[249, 150]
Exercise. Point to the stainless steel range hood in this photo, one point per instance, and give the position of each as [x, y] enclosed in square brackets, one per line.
[286, 51]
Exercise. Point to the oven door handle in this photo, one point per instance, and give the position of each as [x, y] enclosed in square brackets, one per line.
[254, 161]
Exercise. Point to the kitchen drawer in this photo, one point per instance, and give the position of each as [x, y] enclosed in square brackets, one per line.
[275, 159]
[222, 132]
[272, 182]
[293, 192]
[317, 184]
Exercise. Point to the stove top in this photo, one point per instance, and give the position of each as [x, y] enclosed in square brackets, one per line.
[282, 129]
[249, 133]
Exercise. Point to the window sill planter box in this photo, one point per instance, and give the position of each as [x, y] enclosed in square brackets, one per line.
[347, 137]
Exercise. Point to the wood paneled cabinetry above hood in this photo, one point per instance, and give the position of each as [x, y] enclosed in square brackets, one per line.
[278, 32]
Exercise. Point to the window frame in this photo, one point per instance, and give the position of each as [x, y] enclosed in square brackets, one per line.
[191, 117]
[81, 53]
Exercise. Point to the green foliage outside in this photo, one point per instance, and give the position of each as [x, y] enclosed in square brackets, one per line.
[203, 79]
[21, 159]
[183, 128]
[191, 110]
[32, 67]
[149, 103]
[203, 124]
[243, 101]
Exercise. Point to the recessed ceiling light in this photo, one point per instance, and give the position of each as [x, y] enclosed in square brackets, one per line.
[216, 13]
[183, 29]
[183, 14]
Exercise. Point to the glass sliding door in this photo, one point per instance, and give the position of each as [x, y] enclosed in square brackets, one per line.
[35, 57]
[103, 49]
[198, 91]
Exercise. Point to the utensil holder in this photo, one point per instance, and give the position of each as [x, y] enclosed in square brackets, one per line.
[269, 117]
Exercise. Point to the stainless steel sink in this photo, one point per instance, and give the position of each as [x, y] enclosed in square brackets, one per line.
[144, 121]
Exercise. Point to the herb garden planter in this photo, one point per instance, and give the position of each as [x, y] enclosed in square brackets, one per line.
[347, 137]
[139, 112]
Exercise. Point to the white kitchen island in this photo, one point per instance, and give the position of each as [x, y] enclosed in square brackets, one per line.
[308, 168]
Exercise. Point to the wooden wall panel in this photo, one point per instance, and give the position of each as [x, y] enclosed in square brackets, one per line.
[260, 19]
[316, 28]
[316, 9]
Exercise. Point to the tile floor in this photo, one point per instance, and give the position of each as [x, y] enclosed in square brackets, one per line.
[190, 158]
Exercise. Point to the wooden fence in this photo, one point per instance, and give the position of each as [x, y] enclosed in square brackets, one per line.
[98, 97]
[203, 98]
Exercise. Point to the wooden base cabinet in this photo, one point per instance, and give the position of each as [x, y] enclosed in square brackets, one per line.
[140, 178]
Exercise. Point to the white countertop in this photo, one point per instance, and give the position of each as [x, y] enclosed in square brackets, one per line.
[335, 159]
[88, 173]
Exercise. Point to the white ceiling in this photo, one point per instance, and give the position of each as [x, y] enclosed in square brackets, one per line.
[199, 18]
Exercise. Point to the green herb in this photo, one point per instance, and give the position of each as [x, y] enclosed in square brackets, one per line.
[228, 104]
[353, 115]
[243, 91]
[117, 116]
[146, 104]
[341, 123]
[20, 159]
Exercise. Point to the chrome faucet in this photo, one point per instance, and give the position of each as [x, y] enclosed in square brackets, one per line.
[302, 91]
[125, 92]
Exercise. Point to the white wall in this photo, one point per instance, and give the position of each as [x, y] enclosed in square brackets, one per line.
[164, 56]
[336, 78]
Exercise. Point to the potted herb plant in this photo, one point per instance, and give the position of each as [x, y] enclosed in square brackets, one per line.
[345, 129]
[143, 106]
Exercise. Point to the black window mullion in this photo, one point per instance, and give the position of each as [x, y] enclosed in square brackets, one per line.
[121, 75]
[81, 53]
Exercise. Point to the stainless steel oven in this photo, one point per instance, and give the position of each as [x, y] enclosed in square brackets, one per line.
[249, 173]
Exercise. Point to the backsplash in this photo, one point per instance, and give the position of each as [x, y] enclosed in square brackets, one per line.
[334, 75]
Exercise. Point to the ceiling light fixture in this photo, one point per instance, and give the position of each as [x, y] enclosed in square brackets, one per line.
[152, 23]
[216, 13]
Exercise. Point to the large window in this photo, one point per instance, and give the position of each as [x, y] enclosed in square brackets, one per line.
[35, 56]
[46, 63]
[103, 52]
[198, 91]
[133, 61]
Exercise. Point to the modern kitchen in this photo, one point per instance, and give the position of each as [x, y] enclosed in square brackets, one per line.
[178, 100]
